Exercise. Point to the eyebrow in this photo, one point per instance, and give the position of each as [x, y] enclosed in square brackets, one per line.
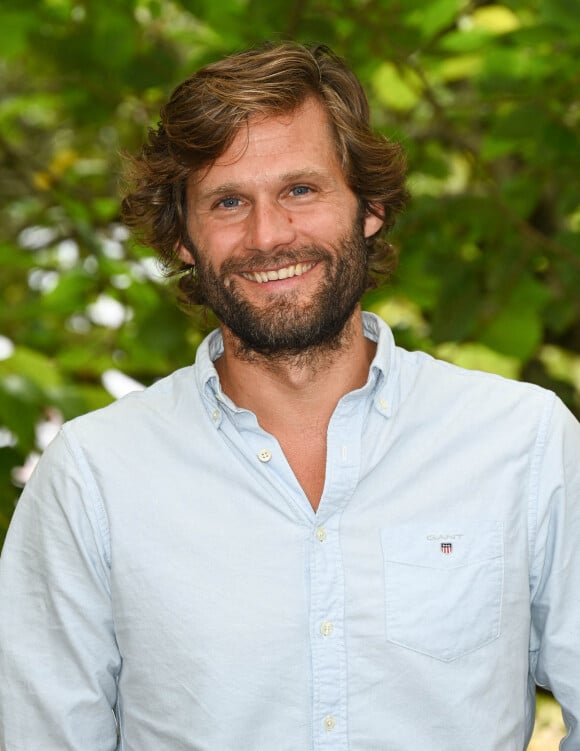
[287, 177]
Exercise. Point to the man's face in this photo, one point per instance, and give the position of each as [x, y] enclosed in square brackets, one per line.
[279, 242]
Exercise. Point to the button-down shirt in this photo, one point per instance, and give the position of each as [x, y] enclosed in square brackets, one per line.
[166, 584]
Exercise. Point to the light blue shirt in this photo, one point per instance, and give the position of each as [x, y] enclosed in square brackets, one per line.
[164, 568]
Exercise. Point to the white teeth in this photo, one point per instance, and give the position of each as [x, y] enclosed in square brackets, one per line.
[272, 276]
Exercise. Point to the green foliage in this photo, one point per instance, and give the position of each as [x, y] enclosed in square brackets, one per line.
[483, 95]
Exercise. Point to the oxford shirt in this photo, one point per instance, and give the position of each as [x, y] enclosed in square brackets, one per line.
[166, 585]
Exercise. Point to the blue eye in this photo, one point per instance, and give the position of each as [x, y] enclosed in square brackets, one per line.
[300, 190]
[229, 203]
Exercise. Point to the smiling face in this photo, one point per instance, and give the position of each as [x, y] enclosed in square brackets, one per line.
[277, 235]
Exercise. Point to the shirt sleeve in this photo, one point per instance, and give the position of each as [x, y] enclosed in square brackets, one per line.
[58, 656]
[555, 634]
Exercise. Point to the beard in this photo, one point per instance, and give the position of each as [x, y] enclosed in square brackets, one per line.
[285, 325]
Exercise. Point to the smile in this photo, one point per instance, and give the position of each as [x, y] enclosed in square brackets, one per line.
[272, 276]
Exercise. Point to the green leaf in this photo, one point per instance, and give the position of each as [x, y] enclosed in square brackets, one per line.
[20, 404]
[33, 366]
[435, 16]
[397, 88]
[514, 332]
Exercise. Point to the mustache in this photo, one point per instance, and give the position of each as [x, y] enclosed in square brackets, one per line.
[260, 261]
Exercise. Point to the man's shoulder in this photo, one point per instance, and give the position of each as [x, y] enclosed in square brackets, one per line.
[427, 379]
[422, 377]
[164, 403]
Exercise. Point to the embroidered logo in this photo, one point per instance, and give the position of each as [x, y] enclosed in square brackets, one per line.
[446, 547]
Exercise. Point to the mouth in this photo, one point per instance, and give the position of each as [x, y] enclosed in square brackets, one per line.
[274, 275]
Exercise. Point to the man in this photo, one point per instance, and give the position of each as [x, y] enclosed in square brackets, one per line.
[310, 539]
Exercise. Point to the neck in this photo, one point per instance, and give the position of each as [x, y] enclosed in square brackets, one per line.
[293, 397]
[291, 388]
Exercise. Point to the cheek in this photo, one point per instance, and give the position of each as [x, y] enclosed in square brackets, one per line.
[214, 245]
[223, 236]
[332, 226]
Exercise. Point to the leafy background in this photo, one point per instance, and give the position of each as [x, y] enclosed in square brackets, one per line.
[484, 96]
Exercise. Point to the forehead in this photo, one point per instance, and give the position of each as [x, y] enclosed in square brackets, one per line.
[301, 140]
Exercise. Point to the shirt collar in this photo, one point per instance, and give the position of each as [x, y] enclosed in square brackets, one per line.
[383, 372]
[382, 382]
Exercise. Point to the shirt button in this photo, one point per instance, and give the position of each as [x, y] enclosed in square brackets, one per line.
[329, 723]
[321, 534]
[327, 628]
[264, 455]
[215, 415]
[383, 403]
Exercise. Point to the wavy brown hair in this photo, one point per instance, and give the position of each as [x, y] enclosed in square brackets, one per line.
[204, 114]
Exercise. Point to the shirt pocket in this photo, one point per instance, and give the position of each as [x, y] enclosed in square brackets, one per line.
[443, 586]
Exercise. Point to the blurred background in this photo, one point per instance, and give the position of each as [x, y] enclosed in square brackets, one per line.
[485, 97]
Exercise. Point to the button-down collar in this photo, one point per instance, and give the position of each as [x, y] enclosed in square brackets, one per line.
[381, 382]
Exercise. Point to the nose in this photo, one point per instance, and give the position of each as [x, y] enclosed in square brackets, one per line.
[269, 226]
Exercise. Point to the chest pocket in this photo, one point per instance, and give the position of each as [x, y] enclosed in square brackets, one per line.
[443, 586]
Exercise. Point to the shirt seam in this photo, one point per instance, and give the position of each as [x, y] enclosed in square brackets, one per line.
[93, 495]
[534, 485]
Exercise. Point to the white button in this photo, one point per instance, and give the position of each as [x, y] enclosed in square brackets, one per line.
[216, 415]
[329, 723]
[264, 455]
[327, 628]
[321, 534]
[383, 403]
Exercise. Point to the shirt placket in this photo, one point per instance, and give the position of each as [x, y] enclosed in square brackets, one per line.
[324, 567]
[327, 638]
[327, 616]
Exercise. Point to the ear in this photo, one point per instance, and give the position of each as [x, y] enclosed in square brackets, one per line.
[372, 222]
[184, 254]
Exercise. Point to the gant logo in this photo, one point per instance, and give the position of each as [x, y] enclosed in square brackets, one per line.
[441, 538]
